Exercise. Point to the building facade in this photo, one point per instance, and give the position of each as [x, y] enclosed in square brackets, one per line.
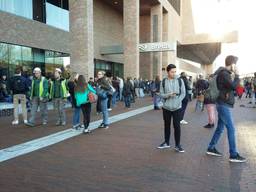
[135, 38]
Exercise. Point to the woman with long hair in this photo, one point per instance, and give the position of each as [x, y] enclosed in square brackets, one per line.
[82, 90]
[71, 87]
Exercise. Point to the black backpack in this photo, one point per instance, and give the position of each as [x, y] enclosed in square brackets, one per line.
[19, 85]
[180, 84]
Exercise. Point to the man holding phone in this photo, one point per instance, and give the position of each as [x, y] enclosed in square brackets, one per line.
[227, 81]
[172, 90]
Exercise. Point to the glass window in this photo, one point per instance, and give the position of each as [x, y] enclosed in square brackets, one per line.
[4, 58]
[15, 58]
[55, 60]
[27, 59]
[17, 7]
[57, 17]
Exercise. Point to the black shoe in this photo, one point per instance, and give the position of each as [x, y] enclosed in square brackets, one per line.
[164, 145]
[101, 125]
[179, 149]
[76, 127]
[237, 159]
[209, 126]
[156, 108]
[213, 152]
[105, 127]
[30, 124]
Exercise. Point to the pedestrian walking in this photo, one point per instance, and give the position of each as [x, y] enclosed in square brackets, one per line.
[225, 102]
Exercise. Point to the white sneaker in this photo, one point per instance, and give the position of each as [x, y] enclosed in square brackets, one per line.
[184, 122]
[15, 122]
[109, 109]
[25, 121]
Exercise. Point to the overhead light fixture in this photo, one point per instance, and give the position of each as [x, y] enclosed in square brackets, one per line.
[115, 2]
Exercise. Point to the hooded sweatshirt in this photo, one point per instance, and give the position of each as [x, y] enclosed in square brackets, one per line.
[172, 86]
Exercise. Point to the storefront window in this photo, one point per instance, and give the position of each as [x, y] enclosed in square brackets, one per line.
[18, 7]
[14, 58]
[55, 60]
[115, 69]
[4, 59]
[28, 58]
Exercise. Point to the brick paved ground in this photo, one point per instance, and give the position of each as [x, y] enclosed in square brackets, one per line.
[12, 135]
[124, 158]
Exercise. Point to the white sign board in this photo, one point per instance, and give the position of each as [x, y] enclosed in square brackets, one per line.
[157, 47]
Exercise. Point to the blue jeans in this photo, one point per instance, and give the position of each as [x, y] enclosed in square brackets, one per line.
[127, 100]
[156, 100]
[184, 107]
[224, 119]
[114, 98]
[120, 94]
[76, 116]
[104, 110]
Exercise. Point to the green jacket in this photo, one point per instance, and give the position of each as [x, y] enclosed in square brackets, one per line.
[39, 88]
[82, 98]
[63, 90]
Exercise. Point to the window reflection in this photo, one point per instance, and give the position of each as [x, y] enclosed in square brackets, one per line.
[18, 7]
[57, 17]
[12, 56]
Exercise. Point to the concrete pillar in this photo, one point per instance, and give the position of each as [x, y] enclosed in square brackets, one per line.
[166, 38]
[207, 69]
[157, 36]
[145, 58]
[131, 38]
[81, 42]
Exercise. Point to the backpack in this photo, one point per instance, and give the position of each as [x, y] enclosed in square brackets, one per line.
[180, 84]
[19, 85]
[212, 93]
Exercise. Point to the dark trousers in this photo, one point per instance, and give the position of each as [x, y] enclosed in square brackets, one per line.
[168, 115]
[109, 101]
[127, 100]
[86, 109]
[98, 106]
[184, 107]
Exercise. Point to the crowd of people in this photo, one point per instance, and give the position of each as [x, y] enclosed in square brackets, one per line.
[172, 94]
[37, 90]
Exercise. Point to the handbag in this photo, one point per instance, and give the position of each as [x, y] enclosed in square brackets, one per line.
[92, 97]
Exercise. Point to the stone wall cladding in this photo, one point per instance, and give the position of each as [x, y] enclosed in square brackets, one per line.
[21, 31]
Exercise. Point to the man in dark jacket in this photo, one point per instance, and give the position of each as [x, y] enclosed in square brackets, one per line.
[227, 81]
[19, 88]
[127, 92]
